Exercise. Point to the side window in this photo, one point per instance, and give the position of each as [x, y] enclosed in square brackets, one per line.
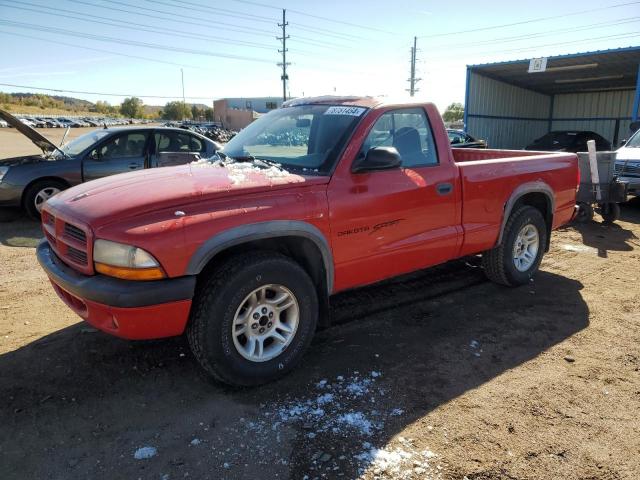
[196, 145]
[122, 146]
[409, 132]
[175, 142]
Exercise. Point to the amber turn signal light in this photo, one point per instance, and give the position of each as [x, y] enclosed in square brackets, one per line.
[153, 273]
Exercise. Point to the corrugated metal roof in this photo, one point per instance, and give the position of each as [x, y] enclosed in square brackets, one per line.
[579, 72]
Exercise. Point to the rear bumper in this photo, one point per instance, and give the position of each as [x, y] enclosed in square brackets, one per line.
[126, 309]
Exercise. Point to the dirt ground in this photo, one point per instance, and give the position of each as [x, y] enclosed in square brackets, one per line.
[13, 143]
[439, 374]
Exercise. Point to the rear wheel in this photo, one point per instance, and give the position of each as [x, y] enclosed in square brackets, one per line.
[253, 318]
[610, 212]
[518, 257]
[38, 193]
[585, 212]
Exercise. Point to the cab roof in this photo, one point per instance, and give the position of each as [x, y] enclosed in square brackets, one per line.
[356, 101]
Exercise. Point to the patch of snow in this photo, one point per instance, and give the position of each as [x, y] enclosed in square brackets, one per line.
[195, 441]
[321, 384]
[375, 374]
[145, 452]
[324, 399]
[356, 420]
[396, 412]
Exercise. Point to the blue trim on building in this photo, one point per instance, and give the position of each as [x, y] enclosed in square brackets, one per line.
[466, 98]
[556, 57]
[636, 100]
[535, 119]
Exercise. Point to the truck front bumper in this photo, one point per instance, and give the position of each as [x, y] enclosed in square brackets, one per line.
[127, 309]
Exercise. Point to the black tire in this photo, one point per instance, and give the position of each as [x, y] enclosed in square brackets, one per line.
[219, 298]
[498, 262]
[585, 213]
[610, 212]
[29, 201]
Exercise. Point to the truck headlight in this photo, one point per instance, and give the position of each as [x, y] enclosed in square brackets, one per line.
[125, 261]
[3, 172]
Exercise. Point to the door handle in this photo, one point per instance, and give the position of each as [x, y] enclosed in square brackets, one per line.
[444, 188]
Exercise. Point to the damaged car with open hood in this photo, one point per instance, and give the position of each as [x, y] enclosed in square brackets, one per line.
[29, 181]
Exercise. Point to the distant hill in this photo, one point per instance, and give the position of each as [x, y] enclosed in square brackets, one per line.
[40, 104]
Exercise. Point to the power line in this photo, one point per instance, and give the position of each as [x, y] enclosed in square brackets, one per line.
[301, 26]
[523, 49]
[533, 20]
[124, 23]
[217, 22]
[318, 17]
[136, 57]
[104, 38]
[80, 92]
[541, 34]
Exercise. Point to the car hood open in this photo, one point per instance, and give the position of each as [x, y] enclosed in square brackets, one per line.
[39, 140]
[113, 198]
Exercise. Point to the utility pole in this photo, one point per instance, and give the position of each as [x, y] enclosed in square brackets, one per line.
[284, 77]
[413, 80]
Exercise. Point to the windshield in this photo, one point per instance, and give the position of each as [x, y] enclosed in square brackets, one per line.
[557, 139]
[80, 144]
[304, 137]
[634, 141]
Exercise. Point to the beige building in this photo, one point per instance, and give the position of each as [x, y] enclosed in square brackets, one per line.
[237, 113]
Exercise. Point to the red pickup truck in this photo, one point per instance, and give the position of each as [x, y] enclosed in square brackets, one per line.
[243, 251]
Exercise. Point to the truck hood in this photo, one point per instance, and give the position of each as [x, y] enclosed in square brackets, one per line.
[126, 195]
[39, 140]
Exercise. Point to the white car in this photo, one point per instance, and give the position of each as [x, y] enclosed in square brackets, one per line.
[628, 163]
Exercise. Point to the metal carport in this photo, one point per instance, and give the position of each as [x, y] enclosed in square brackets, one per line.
[597, 91]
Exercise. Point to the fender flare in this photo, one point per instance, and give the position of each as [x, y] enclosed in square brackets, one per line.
[518, 193]
[259, 231]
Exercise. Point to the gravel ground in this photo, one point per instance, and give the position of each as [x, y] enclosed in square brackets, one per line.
[439, 374]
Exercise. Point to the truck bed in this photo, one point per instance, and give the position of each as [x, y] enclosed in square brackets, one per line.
[490, 177]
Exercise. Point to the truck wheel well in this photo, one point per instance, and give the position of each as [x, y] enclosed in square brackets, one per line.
[302, 250]
[41, 179]
[541, 202]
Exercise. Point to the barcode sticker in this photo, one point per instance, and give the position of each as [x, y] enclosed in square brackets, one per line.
[352, 111]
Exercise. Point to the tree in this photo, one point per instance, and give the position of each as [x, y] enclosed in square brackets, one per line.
[176, 111]
[454, 113]
[196, 112]
[208, 114]
[131, 107]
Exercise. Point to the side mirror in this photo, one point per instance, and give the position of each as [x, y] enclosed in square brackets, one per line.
[378, 158]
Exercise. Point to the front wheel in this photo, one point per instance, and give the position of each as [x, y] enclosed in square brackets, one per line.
[38, 193]
[253, 318]
[516, 260]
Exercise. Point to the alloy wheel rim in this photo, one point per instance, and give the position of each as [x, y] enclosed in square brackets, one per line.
[265, 323]
[43, 195]
[525, 248]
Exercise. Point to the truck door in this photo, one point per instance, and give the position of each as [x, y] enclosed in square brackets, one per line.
[124, 152]
[390, 222]
[176, 148]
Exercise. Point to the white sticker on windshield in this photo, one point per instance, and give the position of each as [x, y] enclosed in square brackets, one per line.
[353, 111]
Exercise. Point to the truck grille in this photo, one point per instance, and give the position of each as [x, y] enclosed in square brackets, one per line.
[70, 241]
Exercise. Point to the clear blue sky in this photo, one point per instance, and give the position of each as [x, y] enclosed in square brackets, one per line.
[357, 47]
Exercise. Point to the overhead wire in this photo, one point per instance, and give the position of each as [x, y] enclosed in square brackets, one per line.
[81, 92]
[104, 38]
[532, 20]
